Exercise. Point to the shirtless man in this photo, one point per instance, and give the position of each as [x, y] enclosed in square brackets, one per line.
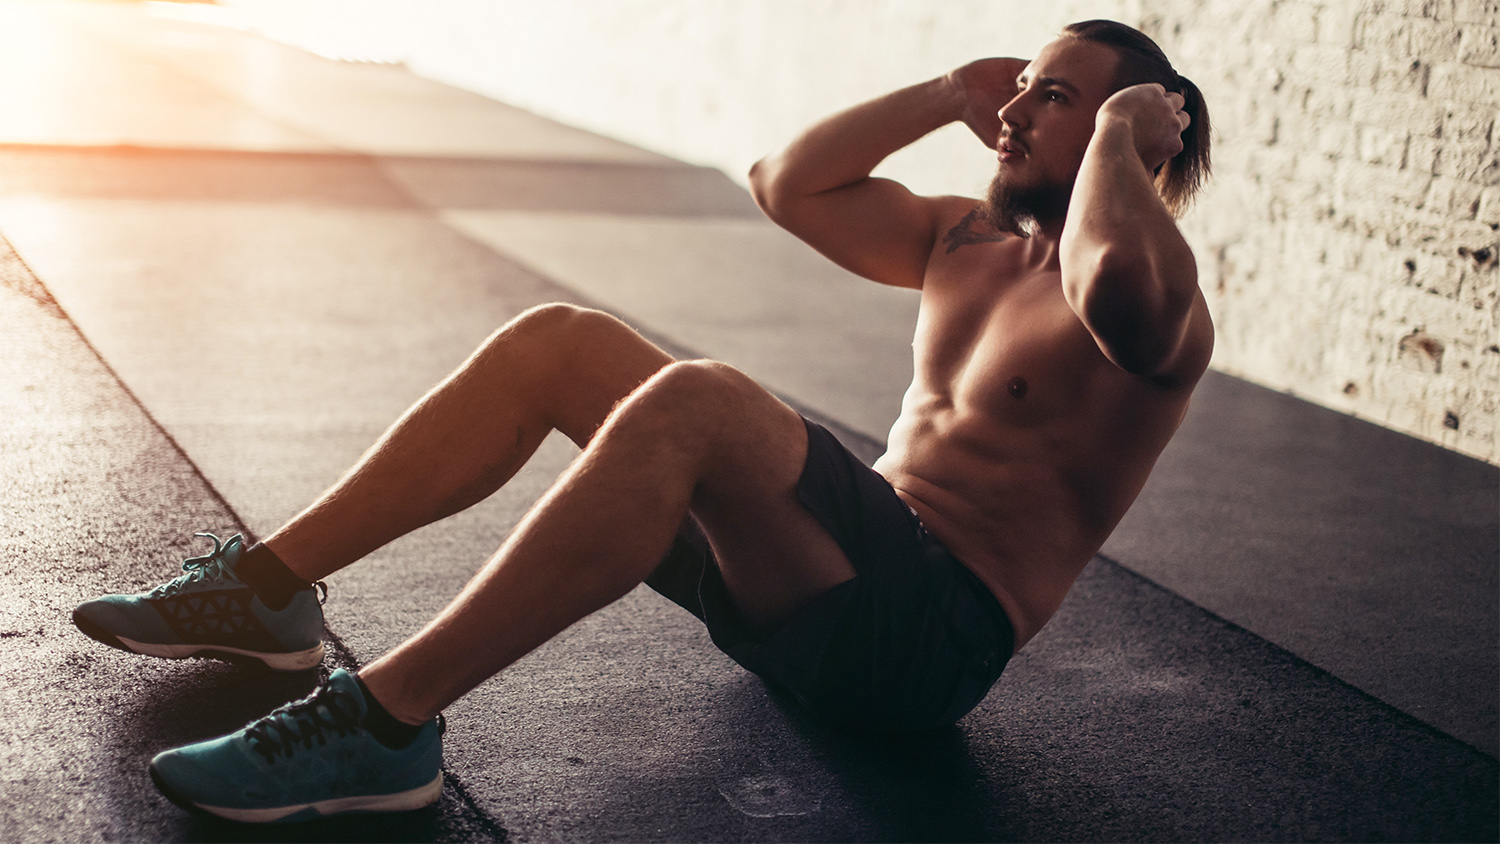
[1061, 333]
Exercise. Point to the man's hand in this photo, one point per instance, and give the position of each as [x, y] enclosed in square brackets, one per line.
[986, 85]
[1155, 117]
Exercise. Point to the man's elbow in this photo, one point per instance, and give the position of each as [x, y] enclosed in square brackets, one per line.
[1146, 360]
[1139, 328]
[763, 187]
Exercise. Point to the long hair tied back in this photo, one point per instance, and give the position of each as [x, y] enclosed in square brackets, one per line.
[1142, 61]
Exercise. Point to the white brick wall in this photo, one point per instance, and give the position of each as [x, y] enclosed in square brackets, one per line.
[1348, 243]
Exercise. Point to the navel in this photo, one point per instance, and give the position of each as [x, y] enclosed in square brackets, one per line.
[1017, 387]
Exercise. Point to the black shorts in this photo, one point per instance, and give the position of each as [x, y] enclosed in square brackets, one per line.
[913, 642]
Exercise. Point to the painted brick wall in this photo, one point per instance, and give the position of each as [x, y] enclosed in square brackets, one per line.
[1348, 244]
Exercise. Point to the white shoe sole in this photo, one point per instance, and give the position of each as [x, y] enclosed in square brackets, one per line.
[293, 661]
[401, 801]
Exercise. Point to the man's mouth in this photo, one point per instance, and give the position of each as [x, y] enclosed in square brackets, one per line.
[1009, 149]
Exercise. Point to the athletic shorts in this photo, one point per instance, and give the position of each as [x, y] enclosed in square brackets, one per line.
[913, 642]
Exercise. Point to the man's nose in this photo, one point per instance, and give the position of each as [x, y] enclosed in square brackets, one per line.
[1013, 112]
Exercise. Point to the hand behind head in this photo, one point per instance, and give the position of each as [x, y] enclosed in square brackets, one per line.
[1156, 118]
[986, 85]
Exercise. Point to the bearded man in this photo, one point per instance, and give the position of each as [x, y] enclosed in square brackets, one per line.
[1060, 335]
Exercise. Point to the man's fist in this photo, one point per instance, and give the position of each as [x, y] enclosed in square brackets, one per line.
[1156, 119]
[985, 86]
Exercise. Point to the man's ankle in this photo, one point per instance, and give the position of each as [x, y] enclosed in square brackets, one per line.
[266, 575]
[385, 727]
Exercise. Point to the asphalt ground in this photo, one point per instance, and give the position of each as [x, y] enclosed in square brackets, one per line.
[1292, 637]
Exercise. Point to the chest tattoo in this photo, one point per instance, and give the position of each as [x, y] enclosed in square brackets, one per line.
[964, 234]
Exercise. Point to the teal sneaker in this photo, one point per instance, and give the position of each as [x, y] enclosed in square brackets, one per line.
[308, 759]
[208, 612]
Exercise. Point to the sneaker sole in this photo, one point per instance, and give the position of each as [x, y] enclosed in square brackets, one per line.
[292, 661]
[401, 801]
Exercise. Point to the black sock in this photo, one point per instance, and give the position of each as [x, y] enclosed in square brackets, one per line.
[265, 573]
[383, 725]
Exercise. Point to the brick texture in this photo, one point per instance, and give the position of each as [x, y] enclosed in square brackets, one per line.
[1350, 240]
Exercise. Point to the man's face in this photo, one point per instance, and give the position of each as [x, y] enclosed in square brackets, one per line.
[1047, 127]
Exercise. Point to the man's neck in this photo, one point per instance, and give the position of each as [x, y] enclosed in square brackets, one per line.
[1041, 247]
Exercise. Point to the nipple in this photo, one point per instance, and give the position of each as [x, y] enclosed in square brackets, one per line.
[1017, 386]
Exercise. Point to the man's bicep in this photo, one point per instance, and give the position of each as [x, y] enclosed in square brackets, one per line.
[875, 228]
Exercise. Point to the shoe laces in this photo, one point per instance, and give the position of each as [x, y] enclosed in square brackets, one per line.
[209, 567]
[215, 566]
[303, 723]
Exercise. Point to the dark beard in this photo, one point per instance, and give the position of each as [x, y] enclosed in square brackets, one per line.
[1021, 211]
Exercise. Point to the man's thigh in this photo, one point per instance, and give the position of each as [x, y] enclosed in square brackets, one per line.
[773, 554]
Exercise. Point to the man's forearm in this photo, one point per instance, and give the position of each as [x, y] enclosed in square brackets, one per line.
[1116, 205]
[843, 149]
[1127, 270]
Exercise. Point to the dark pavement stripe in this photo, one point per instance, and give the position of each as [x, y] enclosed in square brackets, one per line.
[126, 172]
[568, 186]
[129, 172]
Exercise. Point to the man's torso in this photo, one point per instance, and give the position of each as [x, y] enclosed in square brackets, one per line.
[1020, 445]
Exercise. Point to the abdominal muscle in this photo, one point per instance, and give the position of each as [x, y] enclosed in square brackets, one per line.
[997, 502]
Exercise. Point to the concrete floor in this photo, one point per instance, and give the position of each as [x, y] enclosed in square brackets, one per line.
[231, 264]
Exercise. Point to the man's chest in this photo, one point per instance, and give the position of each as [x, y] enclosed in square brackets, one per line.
[1012, 345]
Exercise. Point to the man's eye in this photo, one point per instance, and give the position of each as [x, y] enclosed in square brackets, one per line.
[1056, 97]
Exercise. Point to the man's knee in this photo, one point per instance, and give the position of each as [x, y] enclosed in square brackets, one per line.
[697, 388]
[547, 342]
[691, 399]
[557, 325]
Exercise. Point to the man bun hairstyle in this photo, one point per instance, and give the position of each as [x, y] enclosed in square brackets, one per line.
[1142, 61]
